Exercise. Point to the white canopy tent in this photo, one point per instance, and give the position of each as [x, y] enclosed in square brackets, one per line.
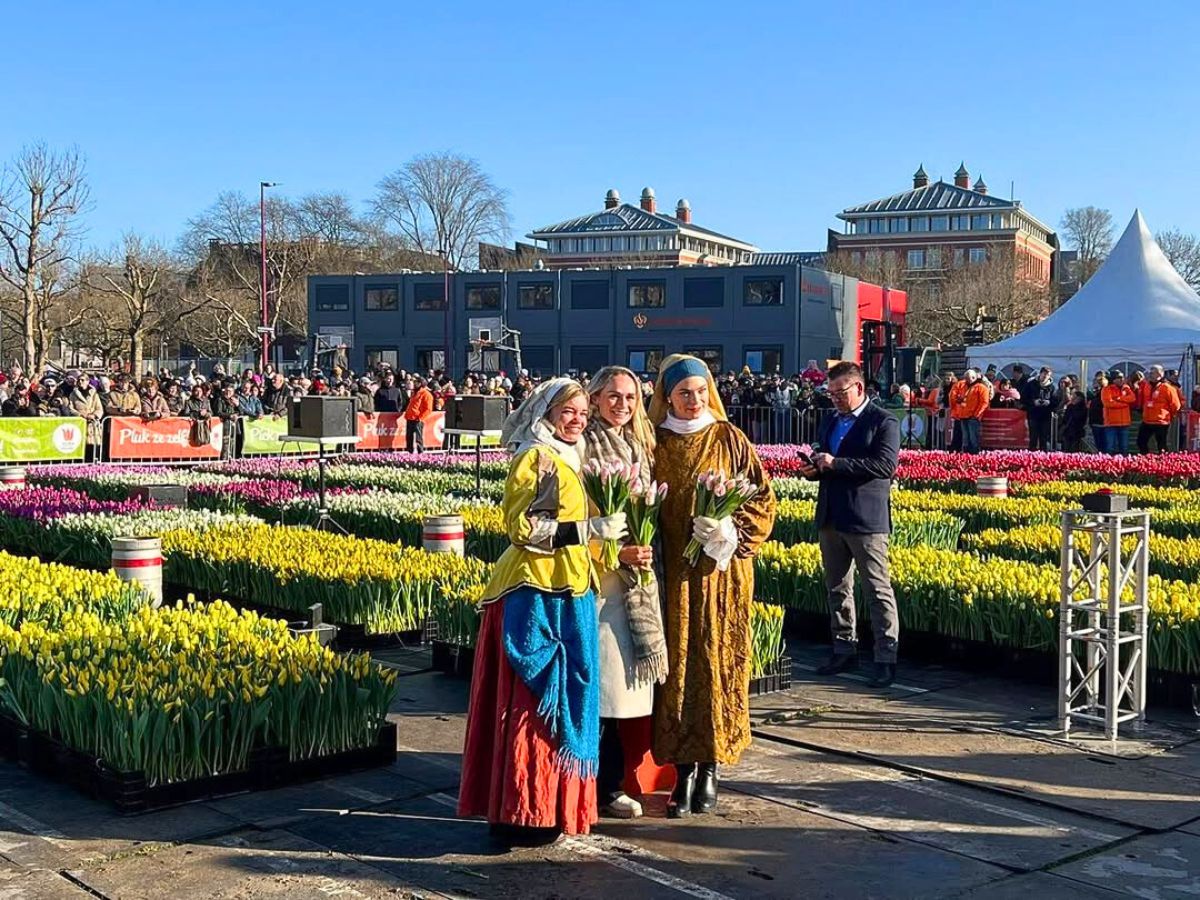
[1135, 309]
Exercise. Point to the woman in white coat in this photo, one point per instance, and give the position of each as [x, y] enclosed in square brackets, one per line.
[632, 647]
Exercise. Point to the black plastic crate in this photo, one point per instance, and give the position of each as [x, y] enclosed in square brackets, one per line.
[778, 678]
[453, 658]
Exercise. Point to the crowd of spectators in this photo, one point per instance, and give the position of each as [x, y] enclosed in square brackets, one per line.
[771, 408]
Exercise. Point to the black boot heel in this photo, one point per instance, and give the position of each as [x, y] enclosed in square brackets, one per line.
[704, 799]
[680, 804]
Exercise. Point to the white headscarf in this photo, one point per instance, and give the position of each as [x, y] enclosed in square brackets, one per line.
[528, 427]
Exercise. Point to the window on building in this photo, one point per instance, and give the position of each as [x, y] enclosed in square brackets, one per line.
[703, 292]
[836, 291]
[483, 296]
[589, 294]
[997, 220]
[933, 258]
[589, 358]
[650, 294]
[960, 223]
[978, 254]
[332, 297]
[381, 297]
[618, 244]
[431, 295]
[536, 296]
[959, 255]
[763, 291]
[764, 360]
[920, 223]
[539, 360]
[900, 223]
[646, 360]
[916, 259]
[713, 356]
[386, 356]
[980, 222]
[429, 359]
[940, 223]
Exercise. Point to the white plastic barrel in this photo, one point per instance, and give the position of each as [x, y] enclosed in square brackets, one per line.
[12, 478]
[139, 560]
[992, 486]
[444, 534]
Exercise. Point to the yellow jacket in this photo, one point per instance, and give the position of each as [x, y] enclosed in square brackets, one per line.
[523, 564]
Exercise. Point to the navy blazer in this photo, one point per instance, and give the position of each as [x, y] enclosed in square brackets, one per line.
[855, 496]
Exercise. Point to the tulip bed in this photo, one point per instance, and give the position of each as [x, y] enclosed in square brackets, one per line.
[766, 637]
[177, 693]
[794, 524]
[378, 585]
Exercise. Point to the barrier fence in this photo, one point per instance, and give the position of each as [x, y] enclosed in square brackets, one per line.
[129, 439]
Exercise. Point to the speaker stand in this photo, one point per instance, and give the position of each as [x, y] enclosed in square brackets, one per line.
[479, 436]
[322, 520]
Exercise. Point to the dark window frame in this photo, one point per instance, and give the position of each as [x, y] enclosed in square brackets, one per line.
[430, 304]
[602, 349]
[763, 348]
[378, 348]
[418, 352]
[376, 288]
[775, 279]
[660, 349]
[342, 305]
[700, 351]
[529, 354]
[481, 286]
[660, 283]
[590, 282]
[539, 287]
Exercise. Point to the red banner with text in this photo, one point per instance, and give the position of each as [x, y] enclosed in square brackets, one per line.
[388, 431]
[132, 438]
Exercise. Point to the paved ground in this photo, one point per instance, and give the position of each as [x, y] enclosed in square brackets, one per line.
[948, 785]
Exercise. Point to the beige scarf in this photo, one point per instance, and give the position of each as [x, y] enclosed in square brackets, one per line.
[608, 444]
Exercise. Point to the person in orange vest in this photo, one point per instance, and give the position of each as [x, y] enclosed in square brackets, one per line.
[969, 407]
[418, 408]
[1118, 399]
[1160, 403]
[955, 392]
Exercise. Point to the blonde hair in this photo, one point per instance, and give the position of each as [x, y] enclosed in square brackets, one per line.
[565, 395]
[660, 404]
[643, 431]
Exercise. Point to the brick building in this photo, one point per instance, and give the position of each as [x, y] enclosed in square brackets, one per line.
[933, 227]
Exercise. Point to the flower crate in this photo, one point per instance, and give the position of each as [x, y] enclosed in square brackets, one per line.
[778, 678]
[453, 658]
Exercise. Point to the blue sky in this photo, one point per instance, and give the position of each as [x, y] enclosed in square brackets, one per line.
[769, 118]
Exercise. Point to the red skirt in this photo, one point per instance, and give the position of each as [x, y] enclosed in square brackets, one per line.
[508, 769]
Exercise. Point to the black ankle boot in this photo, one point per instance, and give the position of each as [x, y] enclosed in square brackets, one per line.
[680, 804]
[704, 800]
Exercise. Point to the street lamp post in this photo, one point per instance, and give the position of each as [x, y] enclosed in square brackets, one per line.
[264, 325]
[445, 255]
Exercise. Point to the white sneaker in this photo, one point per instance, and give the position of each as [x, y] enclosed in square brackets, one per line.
[622, 807]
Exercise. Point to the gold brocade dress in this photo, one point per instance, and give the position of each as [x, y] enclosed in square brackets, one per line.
[702, 713]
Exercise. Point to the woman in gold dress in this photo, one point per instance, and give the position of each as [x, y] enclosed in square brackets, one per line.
[702, 712]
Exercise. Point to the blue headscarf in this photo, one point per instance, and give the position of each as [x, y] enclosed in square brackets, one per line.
[689, 367]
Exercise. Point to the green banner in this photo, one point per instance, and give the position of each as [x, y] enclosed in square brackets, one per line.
[488, 440]
[261, 437]
[42, 440]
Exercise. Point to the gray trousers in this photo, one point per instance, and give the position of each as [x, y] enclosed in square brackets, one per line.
[840, 554]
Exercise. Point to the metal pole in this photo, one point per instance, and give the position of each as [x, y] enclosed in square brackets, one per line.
[262, 255]
[1112, 635]
[1141, 589]
[1065, 650]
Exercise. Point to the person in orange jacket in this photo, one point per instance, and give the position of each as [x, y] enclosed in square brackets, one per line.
[418, 408]
[1160, 403]
[969, 403]
[1118, 399]
[955, 393]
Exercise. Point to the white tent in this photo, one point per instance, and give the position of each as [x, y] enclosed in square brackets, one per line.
[1135, 309]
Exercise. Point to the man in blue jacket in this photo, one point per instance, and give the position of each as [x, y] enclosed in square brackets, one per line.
[861, 444]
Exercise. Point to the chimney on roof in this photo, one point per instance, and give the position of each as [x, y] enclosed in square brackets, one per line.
[980, 187]
[920, 179]
[683, 211]
[962, 178]
[612, 199]
[648, 203]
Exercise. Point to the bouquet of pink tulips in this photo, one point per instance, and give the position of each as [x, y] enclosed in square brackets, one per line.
[608, 486]
[717, 497]
[643, 512]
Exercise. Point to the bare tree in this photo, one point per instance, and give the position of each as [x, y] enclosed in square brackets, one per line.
[443, 202]
[1090, 231]
[144, 286]
[1183, 252]
[42, 193]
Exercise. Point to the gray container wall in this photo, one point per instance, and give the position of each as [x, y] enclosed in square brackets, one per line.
[817, 319]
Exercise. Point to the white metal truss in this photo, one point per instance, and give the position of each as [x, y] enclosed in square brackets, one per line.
[1103, 619]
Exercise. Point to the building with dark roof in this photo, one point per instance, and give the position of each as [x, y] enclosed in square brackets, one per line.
[933, 227]
[622, 234]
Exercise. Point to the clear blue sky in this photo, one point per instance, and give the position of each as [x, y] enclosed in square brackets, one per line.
[769, 118]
